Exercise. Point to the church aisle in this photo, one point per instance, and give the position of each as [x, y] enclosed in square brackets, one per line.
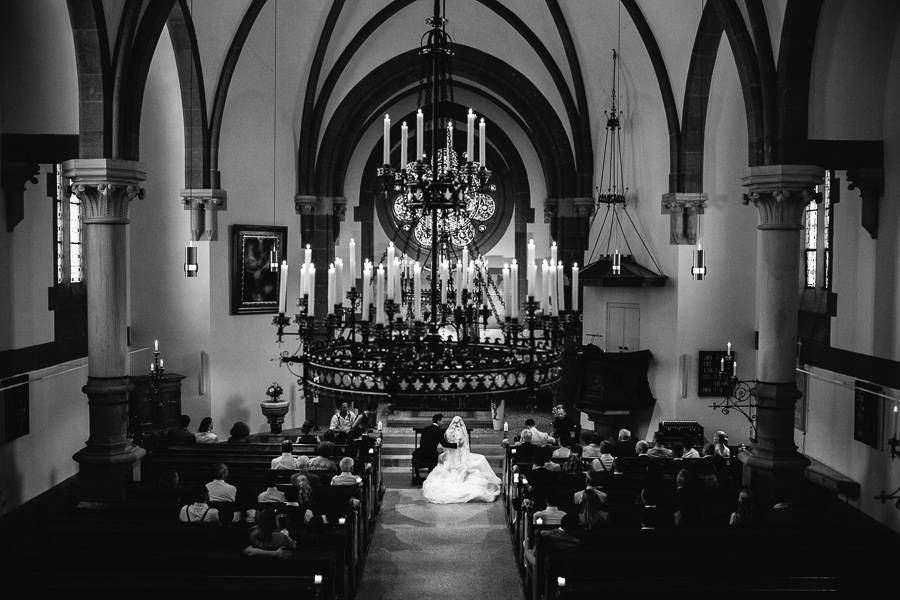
[454, 551]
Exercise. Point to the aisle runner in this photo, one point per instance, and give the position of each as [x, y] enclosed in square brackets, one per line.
[435, 551]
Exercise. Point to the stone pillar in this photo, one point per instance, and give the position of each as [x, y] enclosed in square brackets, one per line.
[780, 193]
[105, 188]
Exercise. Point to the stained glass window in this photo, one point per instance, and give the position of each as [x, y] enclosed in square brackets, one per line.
[817, 238]
[69, 265]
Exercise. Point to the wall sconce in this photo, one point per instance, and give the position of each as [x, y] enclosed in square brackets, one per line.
[190, 260]
[698, 269]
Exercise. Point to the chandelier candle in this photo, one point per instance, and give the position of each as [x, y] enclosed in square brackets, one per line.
[339, 281]
[352, 263]
[404, 133]
[420, 127]
[379, 294]
[560, 288]
[514, 282]
[470, 137]
[311, 288]
[367, 289]
[575, 286]
[482, 143]
[417, 291]
[445, 279]
[331, 301]
[307, 255]
[387, 141]
[282, 291]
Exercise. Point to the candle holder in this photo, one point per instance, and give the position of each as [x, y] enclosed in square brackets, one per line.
[738, 396]
[895, 495]
[157, 371]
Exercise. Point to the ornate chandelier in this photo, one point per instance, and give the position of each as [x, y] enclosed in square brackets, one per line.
[451, 330]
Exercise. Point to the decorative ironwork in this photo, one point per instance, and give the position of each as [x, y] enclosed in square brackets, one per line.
[738, 394]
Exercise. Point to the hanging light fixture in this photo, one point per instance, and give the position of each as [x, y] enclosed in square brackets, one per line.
[273, 253]
[698, 266]
[191, 268]
[608, 266]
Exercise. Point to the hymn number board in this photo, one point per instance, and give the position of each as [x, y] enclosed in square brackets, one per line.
[865, 414]
[709, 383]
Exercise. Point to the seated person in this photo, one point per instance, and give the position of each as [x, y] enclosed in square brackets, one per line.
[745, 514]
[606, 462]
[652, 515]
[562, 537]
[593, 485]
[287, 460]
[551, 515]
[306, 434]
[592, 516]
[689, 451]
[624, 445]
[722, 445]
[299, 495]
[167, 486]
[303, 469]
[239, 434]
[346, 476]
[205, 433]
[782, 515]
[219, 490]
[181, 434]
[573, 464]
[592, 450]
[360, 441]
[538, 437]
[641, 448]
[677, 451]
[199, 511]
[709, 450]
[343, 419]
[266, 539]
[685, 501]
[525, 449]
[659, 449]
[323, 460]
[272, 493]
[565, 430]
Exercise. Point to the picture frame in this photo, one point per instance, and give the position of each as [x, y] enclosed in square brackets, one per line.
[254, 287]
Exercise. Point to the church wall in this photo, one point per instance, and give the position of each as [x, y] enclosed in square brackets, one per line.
[164, 304]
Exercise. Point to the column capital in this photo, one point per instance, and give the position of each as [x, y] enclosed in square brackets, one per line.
[106, 186]
[781, 192]
[551, 207]
[305, 205]
[691, 202]
[684, 210]
[203, 204]
[584, 207]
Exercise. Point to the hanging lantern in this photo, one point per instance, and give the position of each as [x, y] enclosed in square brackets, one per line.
[273, 260]
[617, 263]
[698, 269]
[190, 260]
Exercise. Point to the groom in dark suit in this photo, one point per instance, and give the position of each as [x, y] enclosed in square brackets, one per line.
[426, 455]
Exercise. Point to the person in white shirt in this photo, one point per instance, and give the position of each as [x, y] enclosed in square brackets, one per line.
[346, 476]
[199, 511]
[343, 419]
[287, 460]
[690, 451]
[219, 491]
[722, 445]
[538, 437]
[272, 493]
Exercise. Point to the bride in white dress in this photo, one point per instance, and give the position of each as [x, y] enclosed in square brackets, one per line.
[460, 475]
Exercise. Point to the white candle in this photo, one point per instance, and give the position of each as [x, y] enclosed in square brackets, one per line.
[545, 281]
[307, 255]
[734, 368]
[470, 137]
[156, 345]
[895, 421]
[367, 290]
[152, 367]
[331, 294]
[379, 294]
[339, 281]
[553, 253]
[482, 156]
[417, 291]
[404, 132]
[352, 262]
[445, 279]
[560, 288]
[470, 277]
[390, 270]
[282, 291]
[554, 301]
[420, 128]
[507, 289]
[529, 267]
[387, 140]
[729, 348]
[398, 286]
[722, 364]
[459, 281]
[514, 281]
[162, 363]
[311, 282]
[575, 286]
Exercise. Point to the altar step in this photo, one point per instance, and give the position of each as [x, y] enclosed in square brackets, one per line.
[413, 418]
[398, 445]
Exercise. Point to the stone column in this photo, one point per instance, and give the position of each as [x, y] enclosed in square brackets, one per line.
[105, 188]
[780, 193]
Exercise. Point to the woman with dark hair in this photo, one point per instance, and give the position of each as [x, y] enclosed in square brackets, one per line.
[745, 515]
[266, 539]
[299, 494]
[592, 515]
[239, 434]
[204, 433]
[167, 486]
[306, 434]
[323, 460]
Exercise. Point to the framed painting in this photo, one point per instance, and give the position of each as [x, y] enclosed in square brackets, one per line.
[254, 287]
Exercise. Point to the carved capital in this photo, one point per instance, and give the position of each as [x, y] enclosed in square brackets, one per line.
[583, 207]
[870, 183]
[684, 210]
[781, 192]
[203, 204]
[551, 208]
[339, 208]
[305, 205]
[105, 187]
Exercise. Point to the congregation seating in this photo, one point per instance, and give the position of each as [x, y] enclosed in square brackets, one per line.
[137, 543]
[711, 556]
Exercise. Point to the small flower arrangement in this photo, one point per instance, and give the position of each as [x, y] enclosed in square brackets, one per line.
[274, 392]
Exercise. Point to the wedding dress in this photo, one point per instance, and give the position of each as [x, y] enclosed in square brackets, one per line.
[460, 475]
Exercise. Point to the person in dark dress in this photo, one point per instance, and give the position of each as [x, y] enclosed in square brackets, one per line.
[181, 435]
[431, 436]
[565, 430]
